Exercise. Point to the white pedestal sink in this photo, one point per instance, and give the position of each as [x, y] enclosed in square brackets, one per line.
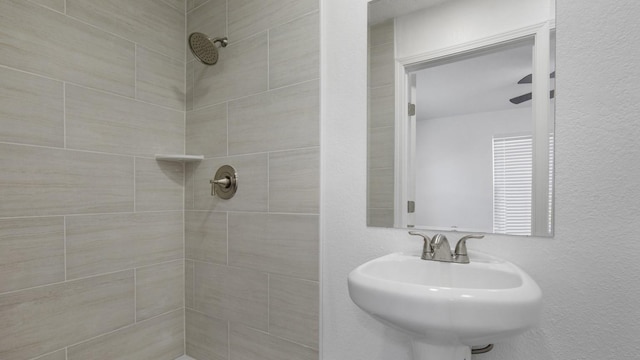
[446, 308]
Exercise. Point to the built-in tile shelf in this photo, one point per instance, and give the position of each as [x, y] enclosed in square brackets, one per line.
[179, 158]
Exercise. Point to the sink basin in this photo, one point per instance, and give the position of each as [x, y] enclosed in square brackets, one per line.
[446, 308]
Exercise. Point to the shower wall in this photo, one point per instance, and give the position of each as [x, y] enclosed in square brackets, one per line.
[91, 226]
[252, 283]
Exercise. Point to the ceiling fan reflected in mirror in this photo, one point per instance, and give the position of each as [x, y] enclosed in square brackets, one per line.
[528, 96]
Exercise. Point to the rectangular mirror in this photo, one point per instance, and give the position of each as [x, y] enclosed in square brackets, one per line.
[461, 105]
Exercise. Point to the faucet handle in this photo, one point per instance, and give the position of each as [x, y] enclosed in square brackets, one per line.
[460, 253]
[426, 249]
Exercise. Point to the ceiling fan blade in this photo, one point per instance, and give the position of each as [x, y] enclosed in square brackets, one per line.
[528, 96]
[529, 78]
[520, 99]
[526, 80]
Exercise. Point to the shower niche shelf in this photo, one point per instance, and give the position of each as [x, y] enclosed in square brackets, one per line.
[179, 158]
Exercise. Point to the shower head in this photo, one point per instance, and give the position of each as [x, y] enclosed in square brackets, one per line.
[204, 48]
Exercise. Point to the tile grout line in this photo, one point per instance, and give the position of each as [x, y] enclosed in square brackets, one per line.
[130, 325]
[64, 237]
[254, 94]
[135, 296]
[89, 277]
[64, 115]
[108, 92]
[134, 185]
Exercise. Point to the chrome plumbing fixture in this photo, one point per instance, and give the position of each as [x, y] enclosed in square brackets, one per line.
[438, 249]
[204, 48]
[225, 183]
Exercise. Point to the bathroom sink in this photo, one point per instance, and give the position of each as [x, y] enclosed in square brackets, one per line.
[447, 308]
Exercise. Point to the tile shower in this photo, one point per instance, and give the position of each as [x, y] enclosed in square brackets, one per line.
[106, 253]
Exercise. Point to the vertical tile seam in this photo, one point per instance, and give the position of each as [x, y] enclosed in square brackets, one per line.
[135, 296]
[64, 244]
[268, 181]
[64, 114]
[134, 184]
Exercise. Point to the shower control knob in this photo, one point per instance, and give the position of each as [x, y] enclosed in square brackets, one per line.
[225, 183]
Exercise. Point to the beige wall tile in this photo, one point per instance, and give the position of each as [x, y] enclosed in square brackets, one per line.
[31, 252]
[207, 337]
[241, 70]
[151, 23]
[58, 355]
[207, 131]
[252, 184]
[293, 310]
[160, 338]
[275, 243]
[31, 109]
[380, 217]
[159, 289]
[281, 119]
[294, 181]
[44, 181]
[250, 344]
[382, 106]
[381, 33]
[190, 84]
[191, 4]
[57, 5]
[159, 185]
[206, 236]
[294, 51]
[380, 189]
[45, 42]
[189, 184]
[231, 294]
[101, 122]
[189, 269]
[103, 243]
[40, 320]
[160, 79]
[381, 149]
[178, 4]
[248, 17]
[381, 67]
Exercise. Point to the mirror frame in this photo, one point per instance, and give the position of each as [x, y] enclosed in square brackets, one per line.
[541, 33]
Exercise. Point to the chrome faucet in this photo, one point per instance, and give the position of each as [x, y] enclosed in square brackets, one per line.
[438, 249]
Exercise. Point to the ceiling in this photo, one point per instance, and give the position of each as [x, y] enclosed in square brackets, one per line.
[480, 84]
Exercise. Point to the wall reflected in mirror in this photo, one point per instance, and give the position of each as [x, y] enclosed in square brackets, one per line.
[461, 119]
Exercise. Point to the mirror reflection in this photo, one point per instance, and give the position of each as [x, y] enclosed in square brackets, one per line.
[461, 115]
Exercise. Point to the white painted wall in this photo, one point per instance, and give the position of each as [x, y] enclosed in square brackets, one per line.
[430, 29]
[454, 167]
[589, 273]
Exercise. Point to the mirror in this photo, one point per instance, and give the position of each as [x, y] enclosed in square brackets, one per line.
[461, 114]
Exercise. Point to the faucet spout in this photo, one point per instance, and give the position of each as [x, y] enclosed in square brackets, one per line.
[441, 249]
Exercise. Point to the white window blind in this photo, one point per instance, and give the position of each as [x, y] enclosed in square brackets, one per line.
[512, 187]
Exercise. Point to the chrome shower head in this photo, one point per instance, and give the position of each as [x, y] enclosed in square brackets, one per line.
[204, 48]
